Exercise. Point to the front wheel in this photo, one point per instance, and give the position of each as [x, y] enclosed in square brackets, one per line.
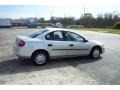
[95, 53]
[39, 58]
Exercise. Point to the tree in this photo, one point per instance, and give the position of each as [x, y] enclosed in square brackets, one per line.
[41, 20]
[117, 25]
[108, 19]
[99, 21]
[68, 21]
[87, 20]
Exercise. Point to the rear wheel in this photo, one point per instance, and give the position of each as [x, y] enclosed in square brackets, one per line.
[39, 58]
[95, 53]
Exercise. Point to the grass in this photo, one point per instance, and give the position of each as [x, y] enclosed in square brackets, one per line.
[114, 31]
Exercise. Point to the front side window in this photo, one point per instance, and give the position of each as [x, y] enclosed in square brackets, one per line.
[75, 37]
[56, 35]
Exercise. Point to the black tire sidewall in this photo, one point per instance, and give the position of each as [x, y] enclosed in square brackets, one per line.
[93, 52]
[34, 56]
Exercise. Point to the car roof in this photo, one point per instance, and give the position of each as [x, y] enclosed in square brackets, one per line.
[55, 29]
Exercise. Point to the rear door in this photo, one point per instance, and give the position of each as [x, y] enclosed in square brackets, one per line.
[56, 44]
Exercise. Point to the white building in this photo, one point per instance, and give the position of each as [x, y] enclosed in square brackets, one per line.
[18, 22]
[5, 23]
[59, 25]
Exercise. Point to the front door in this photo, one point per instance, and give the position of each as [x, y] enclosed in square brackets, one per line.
[76, 44]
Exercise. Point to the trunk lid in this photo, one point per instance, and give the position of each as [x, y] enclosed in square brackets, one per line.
[25, 39]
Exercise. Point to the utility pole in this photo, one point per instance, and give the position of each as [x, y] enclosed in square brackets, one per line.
[84, 17]
[51, 12]
[64, 15]
[51, 16]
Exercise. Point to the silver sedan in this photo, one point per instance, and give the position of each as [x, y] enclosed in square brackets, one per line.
[50, 43]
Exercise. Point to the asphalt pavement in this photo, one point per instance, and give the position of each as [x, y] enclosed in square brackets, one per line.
[81, 70]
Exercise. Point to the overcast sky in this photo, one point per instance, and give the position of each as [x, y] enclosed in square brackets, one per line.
[59, 8]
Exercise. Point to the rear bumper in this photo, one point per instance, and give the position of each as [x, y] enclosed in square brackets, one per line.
[21, 52]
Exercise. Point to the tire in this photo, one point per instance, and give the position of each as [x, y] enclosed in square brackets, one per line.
[39, 58]
[95, 53]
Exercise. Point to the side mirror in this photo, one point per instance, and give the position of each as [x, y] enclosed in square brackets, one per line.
[85, 40]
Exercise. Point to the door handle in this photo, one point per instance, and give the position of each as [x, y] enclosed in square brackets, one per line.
[71, 45]
[49, 45]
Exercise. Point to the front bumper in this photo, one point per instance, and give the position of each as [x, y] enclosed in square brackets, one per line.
[103, 50]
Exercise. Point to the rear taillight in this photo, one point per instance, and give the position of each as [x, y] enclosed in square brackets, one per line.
[21, 43]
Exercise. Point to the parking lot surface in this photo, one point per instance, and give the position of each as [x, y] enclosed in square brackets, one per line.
[81, 70]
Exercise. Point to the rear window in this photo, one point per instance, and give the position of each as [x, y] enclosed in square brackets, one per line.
[35, 34]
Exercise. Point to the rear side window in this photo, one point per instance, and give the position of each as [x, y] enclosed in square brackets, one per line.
[57, 36]
[35, 34]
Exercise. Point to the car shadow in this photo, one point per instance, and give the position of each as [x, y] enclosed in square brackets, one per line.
[15, 65]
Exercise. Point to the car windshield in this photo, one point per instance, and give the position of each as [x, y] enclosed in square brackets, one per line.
[35, 34]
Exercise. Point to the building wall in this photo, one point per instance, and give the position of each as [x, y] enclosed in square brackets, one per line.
[5, 23]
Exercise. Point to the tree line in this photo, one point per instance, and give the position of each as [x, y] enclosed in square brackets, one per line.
[108, 20]
[88, 20]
